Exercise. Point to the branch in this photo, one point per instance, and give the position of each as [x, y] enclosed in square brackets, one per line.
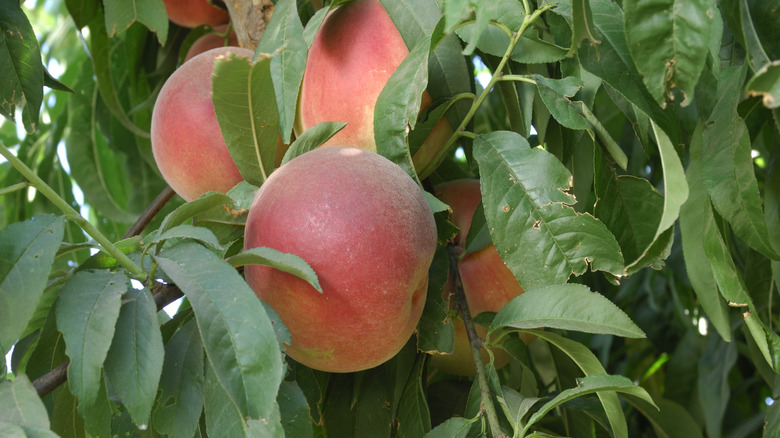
[151, 211]
[486, 405]
[163, 294]
[249, 20]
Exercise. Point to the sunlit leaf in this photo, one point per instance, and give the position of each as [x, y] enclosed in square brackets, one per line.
[120, 14]
[538, 235]
[568, 307]
[312, 138]
[27, 251]
[87, 311]
[284, 262]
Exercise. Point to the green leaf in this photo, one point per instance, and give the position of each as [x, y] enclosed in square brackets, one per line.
[669, 419]
[181, 384]
[11, 430]
[728, 278]
[20, 404]
[135, 359]
[20, 66]
[120, 14]
[100, 49]
[294, 410]
[435, 332]
[740, 23]
[284, 34]
[186, 211]
[612, 62]
[223, 417]
[94, 166]
[414, 417]
[766, 84]
[27, 251]
[87, 311]
[527, 206]
[713, 384]
[727, 167]
[555, 94]
[290, 263]
[398, 106]
[455, 427]
[250, 126]
[668, 40]
[766, 339]
[590, 385]
[312, 138]
[696, 211]
[591, 366]
[185, 231]
[237, 335]
[82, 11]
[448, 73]
[675, 185]
[568, 307]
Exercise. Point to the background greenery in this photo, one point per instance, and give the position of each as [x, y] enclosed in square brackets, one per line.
[636, 144]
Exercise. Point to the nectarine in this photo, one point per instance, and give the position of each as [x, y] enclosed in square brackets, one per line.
[193, 13]
[487, 282]
[366, 229]
[186, 138]
[354, 53]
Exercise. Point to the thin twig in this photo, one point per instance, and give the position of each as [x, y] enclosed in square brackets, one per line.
[476, 343]
[163, 294]
[151, 211]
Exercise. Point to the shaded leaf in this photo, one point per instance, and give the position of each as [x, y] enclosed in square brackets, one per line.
[568, 307]
[766, 84]
[27, 251]
[20, 404]
[714, 389]
[250, 126]
[538, 235]
[727, 167]
[414, 417]
[290, 263]
[186, 211]
[87, 311]
[455, 427]
[20, 66]
[135, 359]
[185, 231]
[237, 334]
[294, 411]
[181, 384]
[312, 138]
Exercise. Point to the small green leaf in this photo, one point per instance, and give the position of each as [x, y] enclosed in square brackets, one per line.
[590, 385]
[20, 66]
[527, 206]
[241, 95]
[435, 332]
[82, 11]
[455, 427]
[27, 251]
[713, 386]
[181, 384]
[237, 335]
[290, 263]
[185, 212]
[87, 311]
[555, 94]
[312, 138]
[729, 280]
[414, 417]
[120, 14]
[568, 307]
[135, 359]
[669, 419]
[766, 84]
[186, 231]
[294, 411]
[222, 415]
[284, 34]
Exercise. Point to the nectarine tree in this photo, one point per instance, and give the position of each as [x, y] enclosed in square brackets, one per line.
[621, 168]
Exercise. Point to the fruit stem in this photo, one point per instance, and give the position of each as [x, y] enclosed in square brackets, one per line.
[486, 405]
[514, 39]
[72, 214]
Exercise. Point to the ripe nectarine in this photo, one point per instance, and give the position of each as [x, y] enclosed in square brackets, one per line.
[193, 13]
[366, 229]
[487, 282]
[186, 138]
[352, 57]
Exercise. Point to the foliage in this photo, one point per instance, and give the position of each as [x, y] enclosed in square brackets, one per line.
[629, 156]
